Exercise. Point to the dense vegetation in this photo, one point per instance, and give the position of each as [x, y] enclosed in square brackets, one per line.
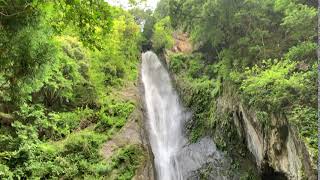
[262, 52]
[62, 66]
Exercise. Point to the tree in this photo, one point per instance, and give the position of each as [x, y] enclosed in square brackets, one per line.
[162, 35]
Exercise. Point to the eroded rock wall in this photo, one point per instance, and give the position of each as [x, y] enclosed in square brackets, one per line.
[278, 151]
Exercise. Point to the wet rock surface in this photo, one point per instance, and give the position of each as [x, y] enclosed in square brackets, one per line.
[202, 160]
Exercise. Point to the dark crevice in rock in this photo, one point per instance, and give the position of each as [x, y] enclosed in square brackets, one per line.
[269, 173]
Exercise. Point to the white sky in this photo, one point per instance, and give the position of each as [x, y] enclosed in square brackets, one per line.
[150, 4]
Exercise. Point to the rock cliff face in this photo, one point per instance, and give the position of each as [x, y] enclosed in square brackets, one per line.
[278, 152]
[182, 43]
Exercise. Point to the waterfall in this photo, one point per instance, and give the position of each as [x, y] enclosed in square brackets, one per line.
[165, 118]
[174, 158]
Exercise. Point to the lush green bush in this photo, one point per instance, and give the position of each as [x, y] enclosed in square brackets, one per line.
[162, 35]
[125, 162]
[26, 64]
[198, 97]
[197, 91]
[193, 64]
[178, 63]
[54, 125]
[305, 119]
[269, 86]
[71, 158]
[276, 85]
[114, 115]
[84, 144]
[304, 51]
[5, 173]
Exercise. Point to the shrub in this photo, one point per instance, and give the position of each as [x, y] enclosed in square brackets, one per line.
[273, 85]
[162, 35]
[198, 97]
[114, 115]
[126, 161]
[305, 119]
[190, 64]
[84, 144]
[5, 172]
[178, 63]
[54, 125]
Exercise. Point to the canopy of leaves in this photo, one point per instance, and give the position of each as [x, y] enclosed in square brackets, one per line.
[61, 64]
[162, 35]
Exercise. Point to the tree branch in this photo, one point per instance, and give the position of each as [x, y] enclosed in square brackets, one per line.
[17, 13]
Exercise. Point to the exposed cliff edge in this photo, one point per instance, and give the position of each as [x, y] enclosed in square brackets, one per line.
[277, 150]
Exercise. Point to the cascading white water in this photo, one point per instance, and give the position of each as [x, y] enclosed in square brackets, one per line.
[174, 158]
[165, 118]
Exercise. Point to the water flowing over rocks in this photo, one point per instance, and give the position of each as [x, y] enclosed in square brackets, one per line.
[174, 158]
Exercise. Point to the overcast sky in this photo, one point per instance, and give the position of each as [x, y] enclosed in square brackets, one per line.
[150, 4]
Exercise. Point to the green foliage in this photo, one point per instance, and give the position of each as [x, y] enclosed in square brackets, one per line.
[114, 115]
[18, 13]
[64, 123]
[125, 162]
[57, 90]
[198, 92]
[275, 85]
[162, 9]
[84, 145]
[73, 158]
[252, 30]
[263, 117]
[162, 35]
[5, 173]
[93, 19]
[297, 17]
[262, 51]
[110, 69]
[304, 51]
[305, 118]
[148, 23]
[25, 66]
[249, 176]
[68, 77]
[178, 63]
[192, 65]
[269, 86]
[224, 66]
